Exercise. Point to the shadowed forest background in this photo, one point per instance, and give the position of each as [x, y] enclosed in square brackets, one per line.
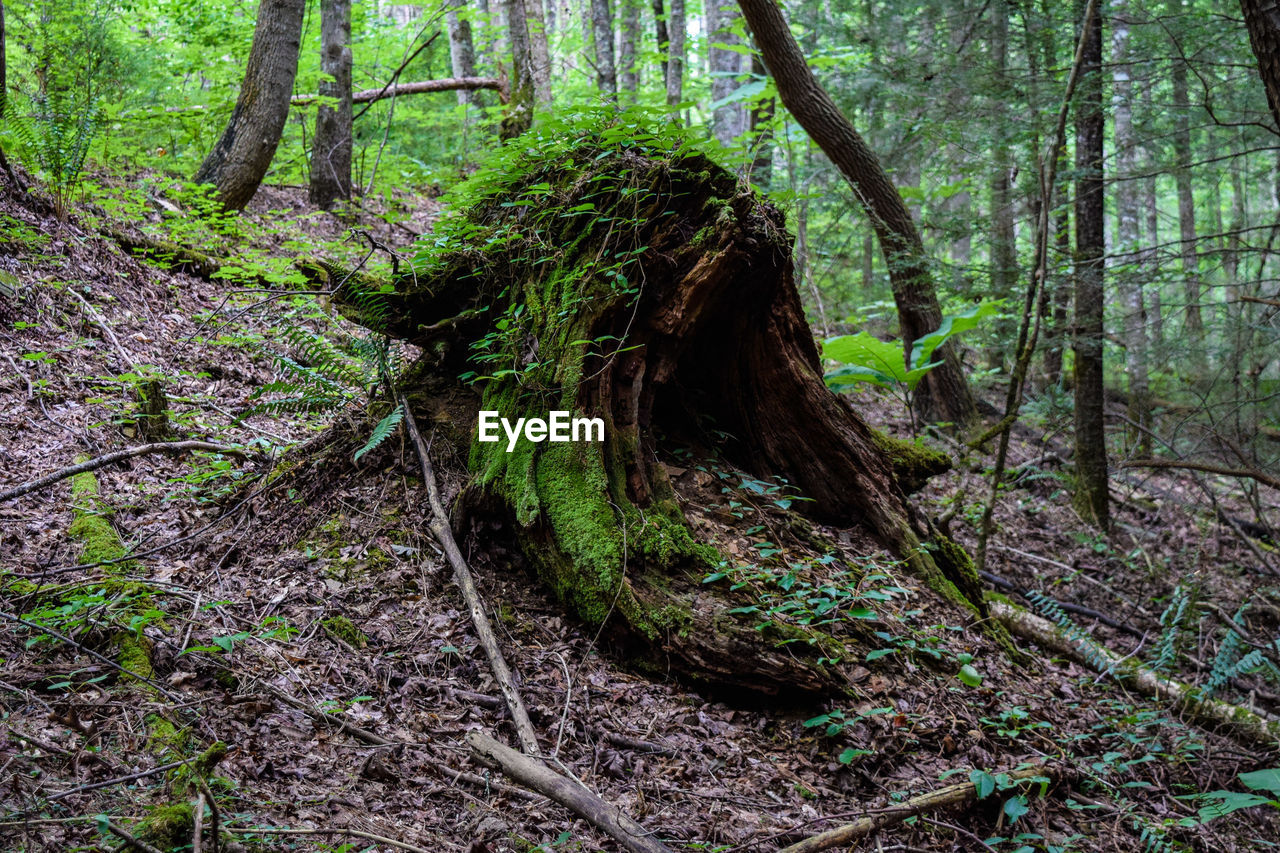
[936, 345]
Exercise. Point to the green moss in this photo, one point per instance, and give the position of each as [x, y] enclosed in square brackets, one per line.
[168, 827]
[89, 525]
[133, 652]
[913, 464]
[343, 628]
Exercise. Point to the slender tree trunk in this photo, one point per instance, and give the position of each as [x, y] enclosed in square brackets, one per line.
[662, 35]
[1062, 292]
[1004, 251]
[627, 48]
[462, 51]
[761, 132]
[1262, 18]
[602, 36]
[1128, 233]
[1194, 323]
[242, 155]
[1150, 258]
[539, 52]
[676, 29]
[331, 149]
[943, 394]
[519, 117]
[1091, 497]
[728, 121]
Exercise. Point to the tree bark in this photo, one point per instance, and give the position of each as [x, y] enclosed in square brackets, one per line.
[761, 134]
[1262, 17]
[728, 121]
[519, 116]
[241, 157]
[943, 394]
[602, 38]
[1128, 232]
[1004, 252]
[716, 335]
[539, 53]
[676, 31]
[1091, 498]
[627, 48]
[462, 50]
[663, 37]
[1194, 324]
[331, 149]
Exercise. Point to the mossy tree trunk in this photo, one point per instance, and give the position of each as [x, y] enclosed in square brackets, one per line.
[652, 291]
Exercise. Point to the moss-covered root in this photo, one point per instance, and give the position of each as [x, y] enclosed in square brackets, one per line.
[913, 464]
[168, 827]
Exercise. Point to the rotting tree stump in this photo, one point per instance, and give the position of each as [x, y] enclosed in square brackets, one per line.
[627, 279]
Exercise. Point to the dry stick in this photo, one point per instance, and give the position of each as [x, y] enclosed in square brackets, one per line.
[378, 740]
[439, 526]
[197, 842]
[106, 330]
[1029, 327]
[536, 775]
[951, 795]
[118, 456]
[130, 840]
[449, 84]
[1247, 473]
[141, 774]
[1250, 728]
[337, 830]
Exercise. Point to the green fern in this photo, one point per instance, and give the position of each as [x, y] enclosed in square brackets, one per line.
[382, 431]
[1173, 621]
[55, 137]
[1085, 644]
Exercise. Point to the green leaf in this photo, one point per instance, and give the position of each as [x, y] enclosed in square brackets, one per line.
[1263, 780]
[850, 753]
[879, 653]
[952, 324]
[382, 431]
[983, 782]
[969, 676]
[866, 350]
[1016, 807]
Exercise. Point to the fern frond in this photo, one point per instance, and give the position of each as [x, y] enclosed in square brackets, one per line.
[1172, 620]
[1085, 644]
[382, 431]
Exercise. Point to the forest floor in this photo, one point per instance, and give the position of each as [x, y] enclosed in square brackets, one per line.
[255, 624]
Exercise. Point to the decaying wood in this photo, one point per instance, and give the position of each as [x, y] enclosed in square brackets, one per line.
[452, 84]
[1247, 473]
[119, 456]
[582, 802]
[1244, 725]
[439, 526]
[941, 798]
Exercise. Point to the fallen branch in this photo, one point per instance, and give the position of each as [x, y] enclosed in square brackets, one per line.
[941, 798]
[118, 456]
[1078, 609]
[119, 780]
[439, 526]
[129, 840]
[451, 84]
[184, 259]
[1246, 726]
[582, 802]
[1248, 473]
[337, 830]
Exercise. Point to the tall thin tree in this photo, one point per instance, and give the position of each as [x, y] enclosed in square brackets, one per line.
[943, 394]
[331, 148]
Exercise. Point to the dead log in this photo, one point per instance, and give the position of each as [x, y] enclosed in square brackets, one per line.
[640, 284]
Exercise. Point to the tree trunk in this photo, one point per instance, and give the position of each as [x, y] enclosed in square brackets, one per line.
[602, 36]
[761, 132]
[627, 49]
[676, 30]
[729, 120]
[331, 150]
[1262, 17]
[711, 350]
[664, 39]
[519, 116]
[1004, 250]
[539, 53]
[1091, 498]
[241, 157]
[1128, 236]
[1187, 210]
[462, 51]
[943, 394]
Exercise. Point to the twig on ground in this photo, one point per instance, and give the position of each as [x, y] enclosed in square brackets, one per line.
[129, 839]
[119, 780]
[439, 526]
[336, 830]
[118, 456]
[582, 802]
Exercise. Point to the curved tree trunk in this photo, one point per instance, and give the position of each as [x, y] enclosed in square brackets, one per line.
[240, 159]
[651, 293]
[943, 394]
[1262, 17]
[331, 150]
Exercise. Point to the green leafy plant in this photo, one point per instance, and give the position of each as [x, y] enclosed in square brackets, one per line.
[1220, 803]
[866, 358]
